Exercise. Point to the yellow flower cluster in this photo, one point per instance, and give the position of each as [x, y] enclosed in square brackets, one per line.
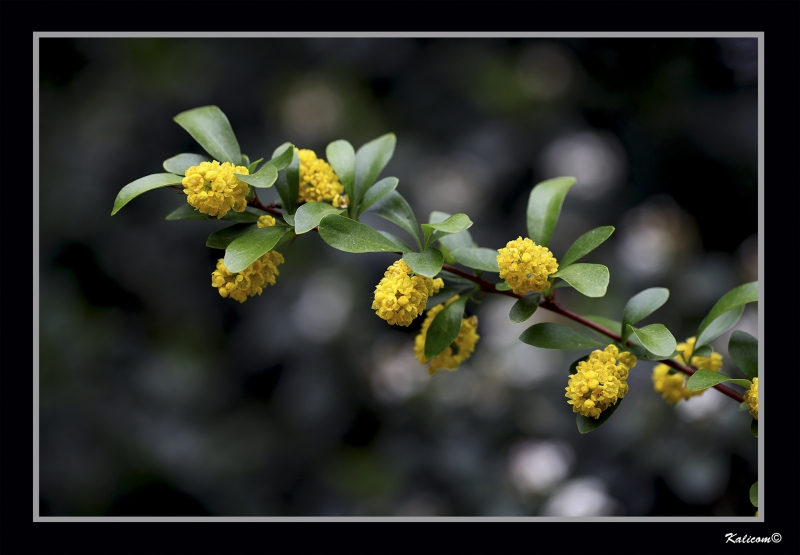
[751, 398]
[599, 381]
[318, 182]
[213, 189]
[459, 351]
[401, 295]
[250, 281]
[265, 221]
[525, 266]
[672, 387]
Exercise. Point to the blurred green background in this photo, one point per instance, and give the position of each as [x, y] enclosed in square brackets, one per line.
[159, 397]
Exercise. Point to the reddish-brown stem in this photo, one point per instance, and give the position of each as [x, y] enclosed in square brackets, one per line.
[551, 305]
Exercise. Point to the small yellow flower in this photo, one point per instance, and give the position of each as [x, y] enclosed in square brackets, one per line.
[599, 381]
[213, 189]
[318, 182]
[751, 398]
[250, 281]
[401, 295]
[265, 221]
[672, 387]
[525, 266]
[459, 351]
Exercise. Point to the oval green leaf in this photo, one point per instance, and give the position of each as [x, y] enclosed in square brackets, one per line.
[377, 192]
[342, 159]
[263, 178]
[251, 168]
[396, 209]
[502, 286]
[308, 215]
[642, 305]
[585, 244]
[549, 335]
[444, 328]
[460, 240]
[754, 494]
[187, 212]
[445, 294]
[282, 156]
[589, 279]
[524, 308]
[179, 163]
[454, 224]
[427, 263]
[719, 326]
[142, 185]
[288, 183]
[586, 425]
[371, 158]
[738, 296]
[224, 237]
[245, 250]
[349, 235]
[703, 379]
[477, 258]
[544, 208]
[656, 338]
[743, 349]
[211, 129]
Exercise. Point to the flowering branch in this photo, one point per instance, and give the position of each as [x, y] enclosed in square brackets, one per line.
[553, 306]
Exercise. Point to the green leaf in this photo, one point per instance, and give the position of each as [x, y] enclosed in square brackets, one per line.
[573, 368]
[703, 379]
[754, 427]
[548, 335]
[251, 168]
[655, 338]
[349, 235]
[342, 159]
[222, 238]
[477, 258]
[743, 349]
[181, 162]
[608, 323]
[642, 305]
[719, 326]
[444, 328]
[544, 208]
[396, 209]
[245, 160]
[142, 185]
[402, 246]
[736, 297]
[212, 130]
[460, 240]
[288, 184]
[245, 250]
[586, 425]
[502, 286]
[371, 158]
[704, 351]
[187, 212]
[524, 308]
[454, 224]
[585, 244]
[589, 279]
[308, 215]
[377, 192]
[263, 178]
[444, 294]
[754, 495]
[427, 263]
[282, 156]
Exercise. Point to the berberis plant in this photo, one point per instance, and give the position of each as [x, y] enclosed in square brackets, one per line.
[445, 269]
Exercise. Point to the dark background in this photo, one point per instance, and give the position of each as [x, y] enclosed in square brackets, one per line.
[158, 397]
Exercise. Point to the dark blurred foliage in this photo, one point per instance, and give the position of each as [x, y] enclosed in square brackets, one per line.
[158, 397]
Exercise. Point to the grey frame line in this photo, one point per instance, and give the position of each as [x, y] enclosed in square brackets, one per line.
[137, 34]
